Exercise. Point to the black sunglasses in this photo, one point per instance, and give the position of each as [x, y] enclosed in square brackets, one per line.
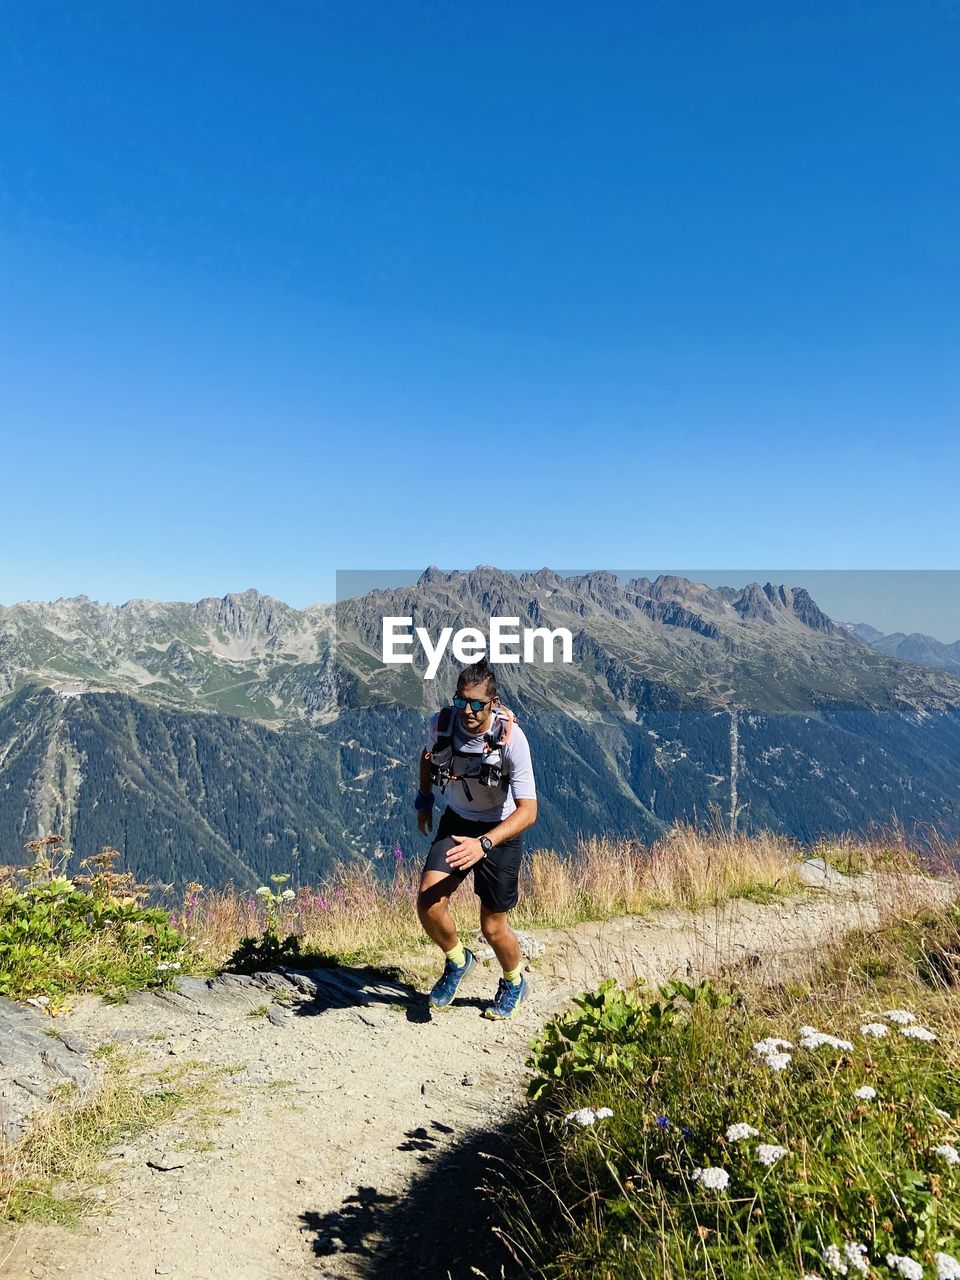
[475, 704]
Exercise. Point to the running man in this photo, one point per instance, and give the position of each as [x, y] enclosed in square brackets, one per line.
[477, 749]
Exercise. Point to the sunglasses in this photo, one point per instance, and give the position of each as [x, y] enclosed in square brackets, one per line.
[475, 704]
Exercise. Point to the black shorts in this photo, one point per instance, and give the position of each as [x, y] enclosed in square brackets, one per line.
[496, 877]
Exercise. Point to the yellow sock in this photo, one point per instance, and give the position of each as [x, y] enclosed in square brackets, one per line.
[458, 955]
[513, 977]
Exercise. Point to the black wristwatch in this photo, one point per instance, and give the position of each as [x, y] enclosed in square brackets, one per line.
[486, 844]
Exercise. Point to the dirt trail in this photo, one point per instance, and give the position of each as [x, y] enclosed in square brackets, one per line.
[357, 1123]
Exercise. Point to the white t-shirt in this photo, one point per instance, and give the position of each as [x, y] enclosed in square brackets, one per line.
[489, 804]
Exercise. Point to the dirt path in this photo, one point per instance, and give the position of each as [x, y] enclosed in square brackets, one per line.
[353, 1124]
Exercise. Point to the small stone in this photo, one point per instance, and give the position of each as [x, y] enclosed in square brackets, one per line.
[75, 1043]
[369, 1019]
[468, 1080]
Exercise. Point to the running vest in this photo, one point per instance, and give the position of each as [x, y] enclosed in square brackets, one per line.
[448, 763]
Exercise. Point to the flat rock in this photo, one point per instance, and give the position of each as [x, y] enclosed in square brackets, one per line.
[32, 1064]
[816, 874]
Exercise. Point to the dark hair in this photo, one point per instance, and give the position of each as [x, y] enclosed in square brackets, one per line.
[478, 673]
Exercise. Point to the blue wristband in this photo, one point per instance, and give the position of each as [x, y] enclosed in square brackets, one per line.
[424, 800]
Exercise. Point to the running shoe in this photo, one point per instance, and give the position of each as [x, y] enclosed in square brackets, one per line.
[507, 1000]
[450, 979]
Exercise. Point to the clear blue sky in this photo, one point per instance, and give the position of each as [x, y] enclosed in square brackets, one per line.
[295, 286]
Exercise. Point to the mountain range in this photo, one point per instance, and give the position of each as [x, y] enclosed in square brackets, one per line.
[914, 647]
[236, 736]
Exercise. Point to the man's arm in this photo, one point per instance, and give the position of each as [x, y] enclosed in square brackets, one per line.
[524, 816]
[468, 850]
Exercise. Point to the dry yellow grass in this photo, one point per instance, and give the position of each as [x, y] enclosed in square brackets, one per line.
[360, 913]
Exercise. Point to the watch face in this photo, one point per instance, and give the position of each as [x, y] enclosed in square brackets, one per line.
[486, 844]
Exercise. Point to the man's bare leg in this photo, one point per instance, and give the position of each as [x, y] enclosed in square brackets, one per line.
[432, 908]
[501, 937]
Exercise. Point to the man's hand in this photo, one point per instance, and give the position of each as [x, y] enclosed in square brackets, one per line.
[425, 821]
[467, 852]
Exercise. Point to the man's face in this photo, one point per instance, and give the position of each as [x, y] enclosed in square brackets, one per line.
[475, 721]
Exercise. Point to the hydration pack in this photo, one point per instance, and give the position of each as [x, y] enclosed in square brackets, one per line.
[486, 767]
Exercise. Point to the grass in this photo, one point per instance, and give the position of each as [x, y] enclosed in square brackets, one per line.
[361, 917]
[92, 933]
[621, 1197]
[48, 1175]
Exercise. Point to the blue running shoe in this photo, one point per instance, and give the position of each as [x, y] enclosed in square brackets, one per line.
[450, 979]
[507, 1000]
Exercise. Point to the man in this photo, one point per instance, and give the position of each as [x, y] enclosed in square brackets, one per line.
[479, 751]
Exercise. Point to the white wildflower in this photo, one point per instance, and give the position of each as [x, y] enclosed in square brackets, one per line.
[777, 1061]
[742, 1130]
[711, 1177]
[763, 1048]
[878, 1029]
[175, 964]
[948, 1151]
[810, 1038]
[768, 1153]
[900, 1016]
[264, 892]
[586, 1116]
[162, 967]
[948, 1268]
[834, 1260]
[866, 1092]
[917, 1032]
[288, 894]
[909, 1268]
[855, 1255]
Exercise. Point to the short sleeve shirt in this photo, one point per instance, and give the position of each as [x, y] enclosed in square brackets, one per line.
[488, 804]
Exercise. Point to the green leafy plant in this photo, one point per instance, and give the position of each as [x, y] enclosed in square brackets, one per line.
[606, 1030]
[265, 952]
[270, 949]
[91, 933]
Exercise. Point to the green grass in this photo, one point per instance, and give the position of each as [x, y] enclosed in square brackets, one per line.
[621, 1198]
[47, 1177]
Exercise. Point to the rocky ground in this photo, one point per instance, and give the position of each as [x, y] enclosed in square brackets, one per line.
[346, 1131]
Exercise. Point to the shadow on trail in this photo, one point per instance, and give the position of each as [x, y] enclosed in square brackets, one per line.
[338, 986]
[442, 1228]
